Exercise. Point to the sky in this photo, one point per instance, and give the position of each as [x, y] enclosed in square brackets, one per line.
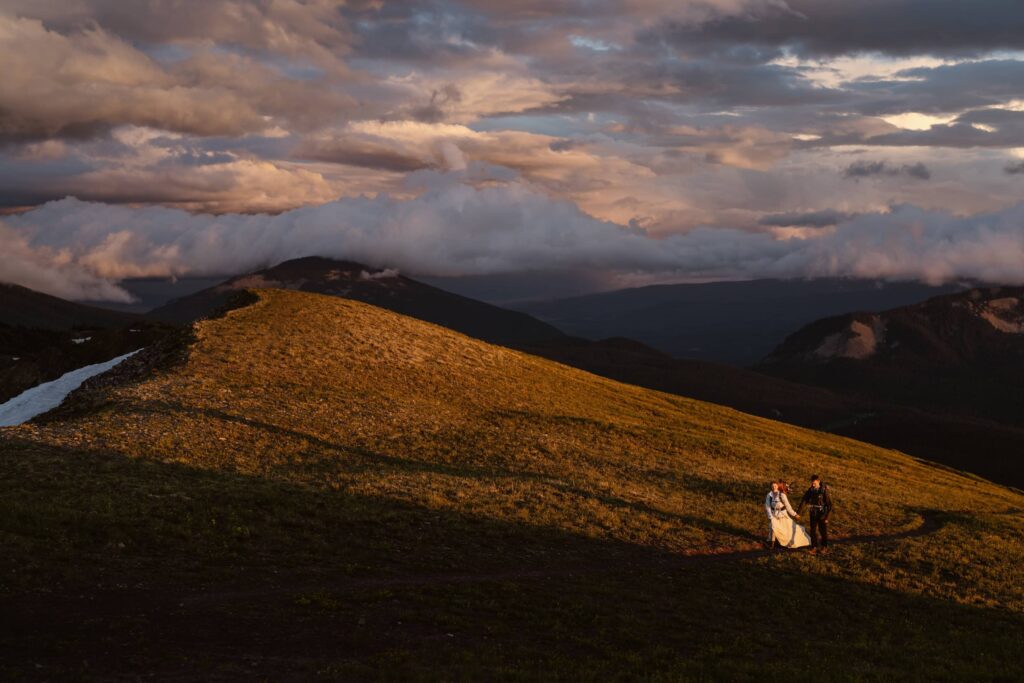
[621, 141]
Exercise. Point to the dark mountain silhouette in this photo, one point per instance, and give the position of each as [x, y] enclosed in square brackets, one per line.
[23, 307]
[384, 288]
[960, 354]
[727, 322]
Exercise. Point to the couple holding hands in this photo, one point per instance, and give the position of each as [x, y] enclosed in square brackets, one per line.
[782, 521]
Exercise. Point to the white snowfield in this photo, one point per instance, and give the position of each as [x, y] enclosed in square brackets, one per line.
[49, 395]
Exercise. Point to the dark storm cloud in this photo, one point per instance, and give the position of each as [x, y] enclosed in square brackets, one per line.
[945, 88]
[1015, 168]
[730, 84]
[808, 219]
[835, 27]
[866, 169]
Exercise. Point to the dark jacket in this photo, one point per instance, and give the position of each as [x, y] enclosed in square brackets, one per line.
[819, 500]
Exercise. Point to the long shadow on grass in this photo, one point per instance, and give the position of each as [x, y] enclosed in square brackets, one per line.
[120, 568]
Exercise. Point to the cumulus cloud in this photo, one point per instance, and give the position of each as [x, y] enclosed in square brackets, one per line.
[584, 173]
[142, 165]
[454, 229]
[52, 270]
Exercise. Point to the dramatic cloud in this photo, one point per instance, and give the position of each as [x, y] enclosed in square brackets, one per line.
[454, 229]
[669, 118]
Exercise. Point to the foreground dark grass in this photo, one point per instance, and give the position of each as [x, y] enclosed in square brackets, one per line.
[325, 490]
[122, 567]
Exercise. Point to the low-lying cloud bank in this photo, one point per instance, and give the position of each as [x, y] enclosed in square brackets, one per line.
[80, 250]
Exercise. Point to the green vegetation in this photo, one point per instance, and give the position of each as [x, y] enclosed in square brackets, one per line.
[323, 489]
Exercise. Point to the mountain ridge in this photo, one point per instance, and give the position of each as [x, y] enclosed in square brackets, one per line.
[382, 287]
[737, 323]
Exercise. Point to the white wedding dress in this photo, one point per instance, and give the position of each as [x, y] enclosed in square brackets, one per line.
[784, 528]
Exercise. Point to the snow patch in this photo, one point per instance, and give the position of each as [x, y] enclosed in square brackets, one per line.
[47, 396]
[858, 341]
[80, 340]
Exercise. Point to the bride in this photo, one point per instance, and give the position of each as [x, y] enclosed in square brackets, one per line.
[782, 526]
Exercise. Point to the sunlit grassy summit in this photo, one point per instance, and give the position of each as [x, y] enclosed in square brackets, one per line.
[317, 486]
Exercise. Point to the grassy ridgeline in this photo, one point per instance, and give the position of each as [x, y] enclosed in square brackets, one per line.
[323, 486]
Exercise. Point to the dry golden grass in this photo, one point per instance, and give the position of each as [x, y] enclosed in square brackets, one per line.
[354, 417]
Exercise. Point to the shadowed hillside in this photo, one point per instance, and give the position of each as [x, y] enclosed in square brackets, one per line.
[978, 445]
[315, 487]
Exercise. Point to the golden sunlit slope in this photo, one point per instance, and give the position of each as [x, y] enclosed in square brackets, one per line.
[359, 464]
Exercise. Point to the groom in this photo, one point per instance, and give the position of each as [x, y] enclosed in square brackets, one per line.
[820, 502]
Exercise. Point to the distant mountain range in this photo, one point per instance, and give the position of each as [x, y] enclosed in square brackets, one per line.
[379, 287]
[728, 322]
[960, 354]
[23, 307]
